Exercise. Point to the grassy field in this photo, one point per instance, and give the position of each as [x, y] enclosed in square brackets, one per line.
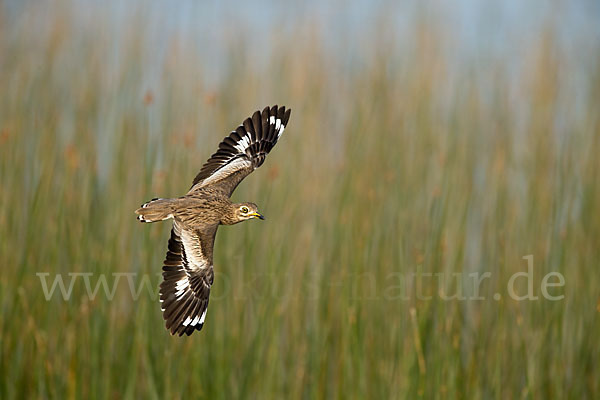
[402, 175]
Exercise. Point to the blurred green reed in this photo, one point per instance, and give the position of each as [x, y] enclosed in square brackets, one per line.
[398, 166]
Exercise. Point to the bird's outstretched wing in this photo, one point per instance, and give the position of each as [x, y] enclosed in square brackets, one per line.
[243, 150]
[187, 278]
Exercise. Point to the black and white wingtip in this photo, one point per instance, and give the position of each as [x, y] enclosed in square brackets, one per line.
[183, 312]
[254, 139]
[277, 117]
[280, 122]
[189, 322]
[258, 133]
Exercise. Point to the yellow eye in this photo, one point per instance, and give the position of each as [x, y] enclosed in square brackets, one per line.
[244, 209]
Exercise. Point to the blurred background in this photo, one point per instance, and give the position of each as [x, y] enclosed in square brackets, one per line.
[438, 139]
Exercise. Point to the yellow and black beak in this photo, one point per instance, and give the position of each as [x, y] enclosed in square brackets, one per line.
[258, 215]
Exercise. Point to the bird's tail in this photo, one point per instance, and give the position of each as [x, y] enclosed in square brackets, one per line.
[156, 210]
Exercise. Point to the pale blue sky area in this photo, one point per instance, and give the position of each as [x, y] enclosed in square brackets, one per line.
[478, 29]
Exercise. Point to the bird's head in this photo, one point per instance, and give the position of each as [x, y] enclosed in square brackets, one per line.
[244, 211]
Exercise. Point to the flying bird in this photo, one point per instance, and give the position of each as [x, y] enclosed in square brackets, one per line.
[188, 266]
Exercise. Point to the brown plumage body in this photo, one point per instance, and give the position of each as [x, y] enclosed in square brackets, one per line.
[200, 212]
[202, 209]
